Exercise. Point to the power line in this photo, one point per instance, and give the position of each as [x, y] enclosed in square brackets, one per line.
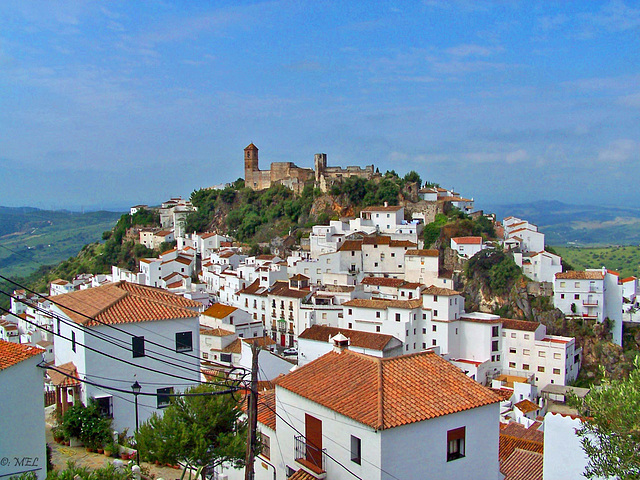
[27, 289]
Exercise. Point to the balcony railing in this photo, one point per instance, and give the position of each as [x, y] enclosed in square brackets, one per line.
[590, 303]
[310, 457]
[282, 325]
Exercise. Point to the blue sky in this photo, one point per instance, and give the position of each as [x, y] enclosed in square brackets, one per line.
[118, 103]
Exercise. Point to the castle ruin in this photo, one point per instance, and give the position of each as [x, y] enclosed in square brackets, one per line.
[294, 177]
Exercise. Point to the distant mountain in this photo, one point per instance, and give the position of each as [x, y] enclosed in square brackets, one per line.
[30, 237]
[566, 224]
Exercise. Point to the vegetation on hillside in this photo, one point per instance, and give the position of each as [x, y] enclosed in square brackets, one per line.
[623, 259]
[494, 269]
[456, 224]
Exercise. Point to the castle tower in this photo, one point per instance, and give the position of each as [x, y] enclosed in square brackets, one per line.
[250, 158]
[320, 163]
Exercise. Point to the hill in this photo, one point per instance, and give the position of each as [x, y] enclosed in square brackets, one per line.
[30, 238]
[578, 225]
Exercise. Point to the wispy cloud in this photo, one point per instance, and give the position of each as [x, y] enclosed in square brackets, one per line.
[473, 50]
[616, 16]
[620, 151]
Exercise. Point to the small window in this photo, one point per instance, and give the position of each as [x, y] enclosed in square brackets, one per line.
[397, 317]
[542, 353]
[377, 314]
[455, 444]
[349, 312]
[495, 331]
[512, 364]
[557, 356]
[562, 295]
[163, 396]
[184, 342]
[576, 296]
[225, 357]
[424, 331]
[73, 341]
[266, 446]
[556, 371]
[435, 313]
[433, 342]
[526, 351]
[513, 335]
[494, 346]
[526, 336]
[433, 328]
[137, 346]
[563, 284]
[377, 328]
[525, 366]
[512, 350]
[105, 405]
[541, 369]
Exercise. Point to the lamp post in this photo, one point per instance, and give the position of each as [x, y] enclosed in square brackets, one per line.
[136, 390]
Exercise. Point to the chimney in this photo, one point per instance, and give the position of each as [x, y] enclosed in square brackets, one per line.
[340, 343]
[386, 204]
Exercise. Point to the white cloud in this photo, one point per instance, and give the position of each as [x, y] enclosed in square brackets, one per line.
[473, 50]
[620, 151]
[632, 100]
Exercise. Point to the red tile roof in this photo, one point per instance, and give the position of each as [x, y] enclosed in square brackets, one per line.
[351, 245]
[508, 444]
[266, 408]
[282, 289]
[387, 392]
[382, 281]
[423, 253]
[581, 275]
[389, 208]
[382, 303]
[219, 310]
[65, 375]
[357, 338]
[522, 465]
[525, 325]
[517, 430]
[468, 240]
[526, 406]
[124, 302]
[433, 290]
[14, 353]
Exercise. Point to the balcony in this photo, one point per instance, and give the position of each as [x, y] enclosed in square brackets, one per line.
[590, 303]
[310, 458]
[282, 325]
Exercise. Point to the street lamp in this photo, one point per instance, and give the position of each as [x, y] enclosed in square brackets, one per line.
[136, 391]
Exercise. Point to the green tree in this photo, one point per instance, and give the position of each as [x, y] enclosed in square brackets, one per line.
[610, 432]
[200, 431]
[413, 176]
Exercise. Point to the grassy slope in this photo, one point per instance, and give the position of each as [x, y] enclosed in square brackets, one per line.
[623, 259]
[45, 238]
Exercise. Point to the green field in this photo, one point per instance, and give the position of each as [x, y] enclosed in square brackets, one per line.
[623, 259]
[42, 237]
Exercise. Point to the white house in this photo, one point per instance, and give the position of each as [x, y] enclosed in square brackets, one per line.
[539, 266]
[347, 410]
[317, 340]
[594, 294]
[22, 441]
[422, 266]
[130, 323]
[467, 247]
[233, 319]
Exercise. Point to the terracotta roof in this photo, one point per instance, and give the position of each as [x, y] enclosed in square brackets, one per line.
[265, 257]
[504, 393]
[215, 332]
[349, 245]
[60, 281]
[302, 475]
[299, 277]
[382, 281]
[376, 240]
[517, 430]
[266, 408]
[526, 406]
[233, 347]
[389, 208]
[401, 243]
[628, 279]
[282, 289]
[411, 285]
[381, 303]
[387, 392]
[124, 302]
[253, 289]
[468, 240]
[14, 353]
[423, 253]
[433, 290]
[322, 333]
[219, 310]
[525, 325]
[207, 235]
[68, 378]
[183, 260]
[522, 465]
[581, 275]
[508, 444]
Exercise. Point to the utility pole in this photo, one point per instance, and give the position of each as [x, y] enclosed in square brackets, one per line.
[252, 410]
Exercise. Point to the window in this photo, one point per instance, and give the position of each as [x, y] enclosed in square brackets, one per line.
[576, 285]
[494, 346]
[512, 350]
[407, 332]
[562, 295]
[576, 358]
[59, 326]
[105, 405]
[433, 342]
[73, 341]
[435, 313]
[542, 353]
[424, 316]
[435, 298]
[375, 264]
[557, 356]
[225, 357]
[397, 317]
[513, 335]
[184, 342]
[434, 328]
[563, 284]
[512, 364]
[541, 369]
[504, 334]
[377, 328]
[377, 314]
[455, 443]
[526, 351]
[424, 331]
[137, 346]
[495, 331]
[526, 336]
[576, 296]
[266, 446]
[556, 371]
[525, 366]
[349, 312]
[163, 397]
[205, 356]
